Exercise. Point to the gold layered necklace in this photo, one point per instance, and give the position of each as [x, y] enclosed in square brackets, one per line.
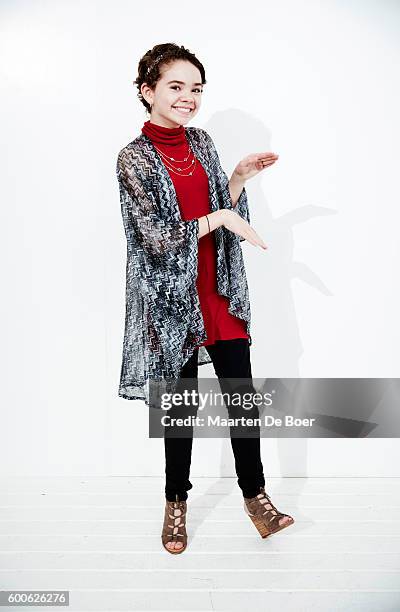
[178, 169]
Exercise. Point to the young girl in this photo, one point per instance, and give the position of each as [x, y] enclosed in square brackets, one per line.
[187, 300]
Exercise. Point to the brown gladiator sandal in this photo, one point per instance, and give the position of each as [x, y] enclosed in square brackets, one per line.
[264, 514]
[174, 528]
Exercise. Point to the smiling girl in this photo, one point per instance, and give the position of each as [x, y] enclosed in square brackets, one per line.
[187, 294]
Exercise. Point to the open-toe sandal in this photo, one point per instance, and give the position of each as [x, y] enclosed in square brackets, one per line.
[174, 528]
[264, 515]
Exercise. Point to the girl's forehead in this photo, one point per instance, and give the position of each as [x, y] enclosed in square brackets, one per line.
[180, 70]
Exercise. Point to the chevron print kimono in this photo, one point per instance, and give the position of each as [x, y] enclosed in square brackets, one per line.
[163, 320]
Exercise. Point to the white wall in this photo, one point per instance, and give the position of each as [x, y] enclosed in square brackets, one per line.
[317, 83]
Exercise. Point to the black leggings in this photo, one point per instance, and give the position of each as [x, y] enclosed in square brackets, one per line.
[231, 359]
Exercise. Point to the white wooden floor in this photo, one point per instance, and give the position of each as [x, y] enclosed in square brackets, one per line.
[99, 538]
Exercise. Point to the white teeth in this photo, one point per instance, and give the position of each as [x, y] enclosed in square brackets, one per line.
[182, 109]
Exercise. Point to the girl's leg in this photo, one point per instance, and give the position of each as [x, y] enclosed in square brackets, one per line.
[178, 450]
[231, 359]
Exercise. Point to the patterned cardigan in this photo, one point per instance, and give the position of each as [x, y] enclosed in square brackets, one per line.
[163, 320]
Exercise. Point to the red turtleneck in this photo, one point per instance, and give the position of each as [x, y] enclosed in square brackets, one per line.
[193, 199]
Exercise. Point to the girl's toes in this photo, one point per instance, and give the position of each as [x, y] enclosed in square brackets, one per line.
[174, 545]
[284, 521]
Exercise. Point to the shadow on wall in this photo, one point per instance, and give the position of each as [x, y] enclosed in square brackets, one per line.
[276, 347]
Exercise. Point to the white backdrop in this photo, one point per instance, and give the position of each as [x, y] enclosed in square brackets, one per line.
[317, 83]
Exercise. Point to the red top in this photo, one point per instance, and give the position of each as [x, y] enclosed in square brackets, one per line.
[193, 199]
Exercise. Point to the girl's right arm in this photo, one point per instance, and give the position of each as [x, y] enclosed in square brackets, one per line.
[233, 222]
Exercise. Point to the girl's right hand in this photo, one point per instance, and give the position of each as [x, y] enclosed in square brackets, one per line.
[233, 222]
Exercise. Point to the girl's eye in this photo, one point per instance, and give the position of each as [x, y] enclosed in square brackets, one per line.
[197, 89]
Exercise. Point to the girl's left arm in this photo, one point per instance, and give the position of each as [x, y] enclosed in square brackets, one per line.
[236, 185]
[227, 188]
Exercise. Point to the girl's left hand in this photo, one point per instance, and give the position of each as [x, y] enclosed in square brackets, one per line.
[253, 164]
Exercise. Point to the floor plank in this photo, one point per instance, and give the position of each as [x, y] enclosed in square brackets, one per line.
[99, 539]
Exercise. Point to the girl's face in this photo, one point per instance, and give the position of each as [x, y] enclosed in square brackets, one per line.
[179, 88]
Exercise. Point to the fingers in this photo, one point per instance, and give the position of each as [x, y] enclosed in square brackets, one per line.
[240, 227]
[251, 236]
[259, 241]
[267, 160]
[267, 156]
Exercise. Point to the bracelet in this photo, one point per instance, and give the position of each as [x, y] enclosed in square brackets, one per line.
[209, 231]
